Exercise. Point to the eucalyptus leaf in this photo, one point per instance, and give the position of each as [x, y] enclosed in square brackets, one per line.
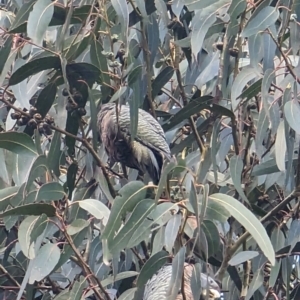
[249, 221]
[39, 19]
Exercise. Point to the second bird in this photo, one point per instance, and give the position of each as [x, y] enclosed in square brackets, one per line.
[146, 152]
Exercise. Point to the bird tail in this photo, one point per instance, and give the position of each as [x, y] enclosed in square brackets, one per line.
[154, 163]
[153, 167]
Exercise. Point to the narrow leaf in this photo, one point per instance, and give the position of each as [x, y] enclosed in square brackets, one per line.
[39, 19]
[249, 221]
[44, 263]
[236, 168]
[18, 142]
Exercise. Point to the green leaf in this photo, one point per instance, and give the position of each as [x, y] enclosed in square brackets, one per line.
[30, 229]
[128, 294]
[171, 231]
[38, 168]
[280, 146]
[96, 208]
[35, 209]
[167, 168]
[121, 9]
[55, 154]
[6, 194]
[212, 236]
[72, 127]
[247, 219]
[39, 19]
[22, 16]
[123, 275]
[241, 257]
[139, 213]
[236, 169]
[33, 67]
[52, 191]
[76, 226]
[79, 15]
[134, 117]
[274, 273]
[76, 292]
[196, 281]
[256, 283]
[100, 61]
[4, 52]
[292, 113]
[247, 74]
[19, 196]
[89, 72]
[71, 177]
[135, 17]
[252, 90]
[202, 21]
[177, 273]
[17, 142]
[77, 45]
[46, 99]
[152, 265]
[93, 113]
[267, 167]
[161, 79]
[134, 74]
[44, 263]
[194, 106]
[68, 251]
[152, 37]
[8, 64]
[78, 288]
[129, 196]
[259, 22]
[158, 217]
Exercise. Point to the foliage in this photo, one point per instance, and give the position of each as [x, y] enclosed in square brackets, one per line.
[221, 76]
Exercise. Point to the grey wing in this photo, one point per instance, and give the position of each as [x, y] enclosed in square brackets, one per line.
[150, 137]
[149, 131]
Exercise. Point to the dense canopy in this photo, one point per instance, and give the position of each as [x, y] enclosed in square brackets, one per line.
[217, 81]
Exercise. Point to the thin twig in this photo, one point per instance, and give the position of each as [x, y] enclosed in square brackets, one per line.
[288, 65]
[7, 274]
[85, 267]
[184, 99]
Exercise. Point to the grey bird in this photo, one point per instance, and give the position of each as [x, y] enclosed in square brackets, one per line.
[146, 152]
[158, 285]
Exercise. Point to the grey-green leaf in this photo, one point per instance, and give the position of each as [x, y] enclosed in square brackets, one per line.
[244, 216]
[39, 19]
[17, 142]
[259, 22]
[292, 113]
[236, 168]
[44, 263]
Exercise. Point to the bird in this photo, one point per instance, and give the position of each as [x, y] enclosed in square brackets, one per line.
[146, 152]
[157, 286]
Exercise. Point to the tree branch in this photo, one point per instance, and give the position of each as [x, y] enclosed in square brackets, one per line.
[85, 267]
[82, 140]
